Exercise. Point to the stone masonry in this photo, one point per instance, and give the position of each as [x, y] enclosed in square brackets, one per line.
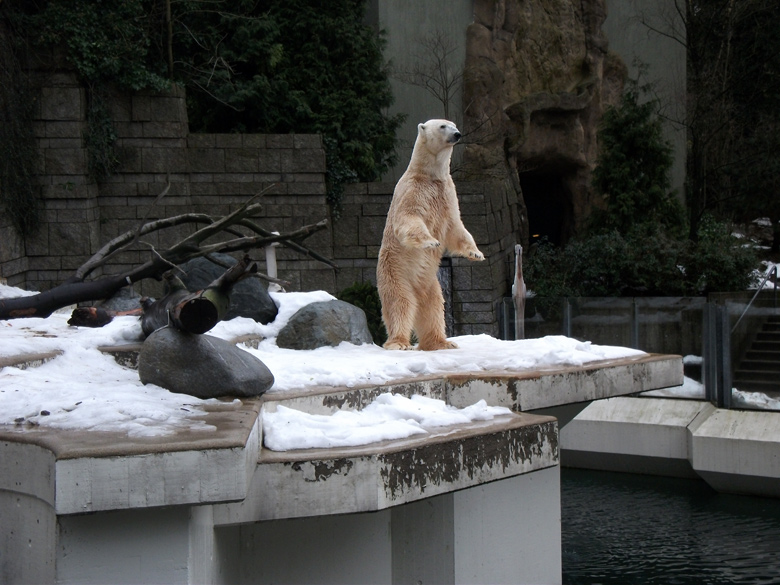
[213, 174]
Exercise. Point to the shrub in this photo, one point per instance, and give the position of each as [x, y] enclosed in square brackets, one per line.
[648, 261]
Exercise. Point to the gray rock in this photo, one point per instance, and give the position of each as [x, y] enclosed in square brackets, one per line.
[249, 298]
[125, 299]
[325, 323]
[201, 365]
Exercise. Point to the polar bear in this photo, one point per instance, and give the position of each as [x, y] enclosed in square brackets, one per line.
[423, 220]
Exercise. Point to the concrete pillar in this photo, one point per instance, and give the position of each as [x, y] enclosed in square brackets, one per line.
[338, 549]
[153, 545]
[27, 518]
[507, 531]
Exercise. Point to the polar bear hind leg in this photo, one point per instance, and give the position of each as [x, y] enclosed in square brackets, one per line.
[398, 312]
[429, 321]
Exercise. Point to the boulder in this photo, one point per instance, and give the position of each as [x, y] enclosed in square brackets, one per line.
[201, 365]
[125, 299]
[249, 298]
[325, 323]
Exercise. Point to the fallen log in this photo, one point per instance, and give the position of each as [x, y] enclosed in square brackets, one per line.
[194, 312]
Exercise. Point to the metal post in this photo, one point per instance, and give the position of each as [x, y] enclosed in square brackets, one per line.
[716, 347]
[567, 317]
[270, 265]
[518, 294]
[709, 367]
[634, 324]
[725, 358]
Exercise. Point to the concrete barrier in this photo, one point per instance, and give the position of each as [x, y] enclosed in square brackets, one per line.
[733, 451]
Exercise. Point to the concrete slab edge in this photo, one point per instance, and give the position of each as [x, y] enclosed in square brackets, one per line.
[734, 451]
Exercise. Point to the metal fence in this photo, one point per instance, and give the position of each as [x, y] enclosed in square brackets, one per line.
[714, 334]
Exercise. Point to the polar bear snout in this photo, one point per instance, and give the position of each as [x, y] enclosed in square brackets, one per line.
[455, 138]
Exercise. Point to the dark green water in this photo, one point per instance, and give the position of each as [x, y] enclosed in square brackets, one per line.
[626, 529]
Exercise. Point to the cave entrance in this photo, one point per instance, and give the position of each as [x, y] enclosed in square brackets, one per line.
[548, 202]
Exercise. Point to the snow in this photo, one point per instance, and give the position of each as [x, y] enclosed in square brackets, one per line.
[84, 389]
[390, 416]
[768, 267]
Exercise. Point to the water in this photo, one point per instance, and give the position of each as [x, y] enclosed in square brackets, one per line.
[626, 529]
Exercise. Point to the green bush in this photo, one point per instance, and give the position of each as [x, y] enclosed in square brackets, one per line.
[281, 66]
[366, 296]
[644, 262]
[252, 66]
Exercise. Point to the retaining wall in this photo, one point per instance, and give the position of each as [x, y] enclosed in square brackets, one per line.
[214, 174]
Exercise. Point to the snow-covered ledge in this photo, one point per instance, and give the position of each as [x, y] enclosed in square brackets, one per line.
[124, 482]
[208, 489]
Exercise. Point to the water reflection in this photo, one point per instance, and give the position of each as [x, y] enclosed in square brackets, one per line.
[635, 530]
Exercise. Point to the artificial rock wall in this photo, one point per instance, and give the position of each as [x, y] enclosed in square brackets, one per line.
[208, 173]
[538, 76]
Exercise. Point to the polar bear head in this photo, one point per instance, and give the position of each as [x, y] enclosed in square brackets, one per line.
[437, 135]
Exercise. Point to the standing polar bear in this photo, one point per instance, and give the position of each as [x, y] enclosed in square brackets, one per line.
[423, 220]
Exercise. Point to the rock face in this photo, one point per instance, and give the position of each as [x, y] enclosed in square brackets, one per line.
[201, 365]
[249, 298]
[325, 323]
[538, 77]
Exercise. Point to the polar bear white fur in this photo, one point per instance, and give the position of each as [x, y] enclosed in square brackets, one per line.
[423, 220]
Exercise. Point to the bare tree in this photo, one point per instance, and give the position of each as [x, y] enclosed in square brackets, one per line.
[715, 74]
[436, 71]
[244, 234]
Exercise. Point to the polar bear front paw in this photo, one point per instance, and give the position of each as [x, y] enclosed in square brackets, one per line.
[476, 255]
[431, 244]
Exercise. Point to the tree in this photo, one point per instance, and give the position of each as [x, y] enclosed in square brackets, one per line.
[435, 71]
[732, 51]
[632, 170]
[281, 66]
[754, 170]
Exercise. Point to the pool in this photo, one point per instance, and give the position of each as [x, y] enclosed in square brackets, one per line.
[634, 530]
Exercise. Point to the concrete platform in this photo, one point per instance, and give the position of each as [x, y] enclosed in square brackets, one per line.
[473, 503]
[314, 482]
[734, 451]
[739, 452]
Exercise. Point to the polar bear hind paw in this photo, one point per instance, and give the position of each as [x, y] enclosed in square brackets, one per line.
[398, 345]
[438, 345]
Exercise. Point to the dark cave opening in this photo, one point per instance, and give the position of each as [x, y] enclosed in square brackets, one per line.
[548, 203]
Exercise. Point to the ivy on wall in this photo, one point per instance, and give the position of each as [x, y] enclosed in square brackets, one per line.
[261, 66]
[18, 147]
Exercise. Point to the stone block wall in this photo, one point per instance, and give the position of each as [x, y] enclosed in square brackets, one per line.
[213, 174]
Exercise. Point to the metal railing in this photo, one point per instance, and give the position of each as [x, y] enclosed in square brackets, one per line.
[769, 272]
[688, 326]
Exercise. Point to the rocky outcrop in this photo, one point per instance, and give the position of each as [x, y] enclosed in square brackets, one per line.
[538, 77]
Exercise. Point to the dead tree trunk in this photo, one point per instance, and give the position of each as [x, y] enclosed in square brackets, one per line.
[199, 311]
